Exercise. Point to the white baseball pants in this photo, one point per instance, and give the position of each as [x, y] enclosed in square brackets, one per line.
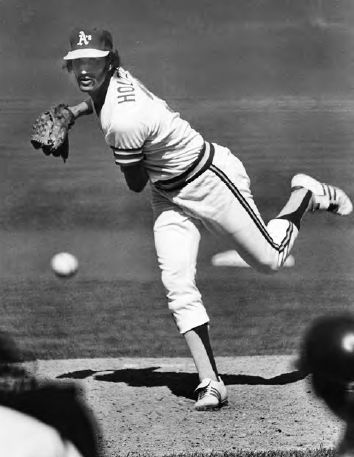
[221, 200]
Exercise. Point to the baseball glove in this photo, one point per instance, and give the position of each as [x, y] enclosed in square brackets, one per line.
[50, 131]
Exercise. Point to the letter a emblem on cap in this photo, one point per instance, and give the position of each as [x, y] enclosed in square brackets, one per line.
[83, 38]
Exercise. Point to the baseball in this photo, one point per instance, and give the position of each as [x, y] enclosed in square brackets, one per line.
[64, 264]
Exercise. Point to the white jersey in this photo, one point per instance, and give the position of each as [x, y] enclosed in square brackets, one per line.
[141, 127]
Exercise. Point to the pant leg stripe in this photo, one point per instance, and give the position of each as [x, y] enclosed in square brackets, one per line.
[249, 210]
[286, 241]
[285, 244]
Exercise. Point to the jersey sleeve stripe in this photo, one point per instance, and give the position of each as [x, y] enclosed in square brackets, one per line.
[125, 157]
[120, 157]
[128, 159]
[127, 162]
[126, 150]
[127, 154]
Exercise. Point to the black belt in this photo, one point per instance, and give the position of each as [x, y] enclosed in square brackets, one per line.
[201, 164]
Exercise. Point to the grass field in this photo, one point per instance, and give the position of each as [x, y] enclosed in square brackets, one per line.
[83, 207]
[98, 318]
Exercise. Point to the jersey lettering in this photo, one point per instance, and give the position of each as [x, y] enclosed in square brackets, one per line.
[140, 127]
[126, 92]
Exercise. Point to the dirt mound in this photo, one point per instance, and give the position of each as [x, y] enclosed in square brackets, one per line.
[146, 405]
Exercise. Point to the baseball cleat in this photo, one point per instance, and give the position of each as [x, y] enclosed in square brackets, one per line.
[325, 196]
[212, 395]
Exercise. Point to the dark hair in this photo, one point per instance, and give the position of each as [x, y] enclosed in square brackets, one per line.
[113, 60]
[58, 405]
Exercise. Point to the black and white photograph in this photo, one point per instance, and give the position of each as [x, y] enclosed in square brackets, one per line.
[176, 228]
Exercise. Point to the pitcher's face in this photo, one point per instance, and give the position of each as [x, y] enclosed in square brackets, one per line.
[90, 73]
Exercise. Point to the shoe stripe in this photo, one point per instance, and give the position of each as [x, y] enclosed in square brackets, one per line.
[329, 190]
[210, 394]
[215, 392]
[209, 390]
[323, 189]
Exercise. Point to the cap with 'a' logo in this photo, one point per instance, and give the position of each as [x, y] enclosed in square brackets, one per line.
[89, 43]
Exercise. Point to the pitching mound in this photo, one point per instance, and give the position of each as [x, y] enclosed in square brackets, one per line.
[145, 406]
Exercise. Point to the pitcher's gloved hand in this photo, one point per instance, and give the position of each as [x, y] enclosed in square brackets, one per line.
[50, 131]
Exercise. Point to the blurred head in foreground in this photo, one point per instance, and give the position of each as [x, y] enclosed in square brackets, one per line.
[327, 354]
[42, 418]
[14, 378]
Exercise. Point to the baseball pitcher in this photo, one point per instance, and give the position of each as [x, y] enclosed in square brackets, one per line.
[194, 183]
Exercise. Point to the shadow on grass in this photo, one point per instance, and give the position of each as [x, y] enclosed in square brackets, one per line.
[180, 384]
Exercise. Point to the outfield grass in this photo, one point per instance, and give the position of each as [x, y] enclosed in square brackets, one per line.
[116, 304]
[98, 318]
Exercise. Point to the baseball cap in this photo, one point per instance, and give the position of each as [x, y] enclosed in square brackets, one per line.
[86, 43]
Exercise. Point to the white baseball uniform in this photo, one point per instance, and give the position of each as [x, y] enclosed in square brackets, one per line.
[193, 183]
